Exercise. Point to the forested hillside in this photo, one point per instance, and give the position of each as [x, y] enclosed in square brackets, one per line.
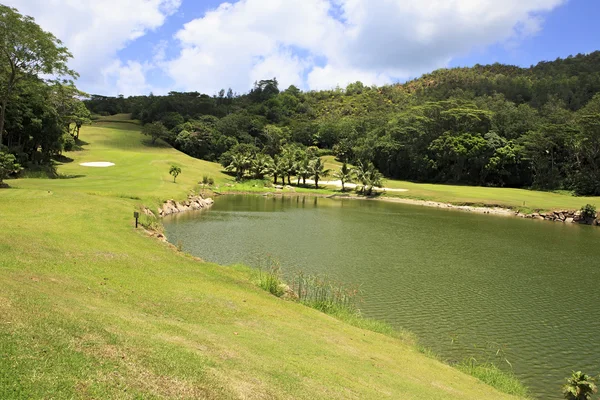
[495, 125]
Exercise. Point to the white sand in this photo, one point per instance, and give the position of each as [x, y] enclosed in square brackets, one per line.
[97, 164]
[352, 186]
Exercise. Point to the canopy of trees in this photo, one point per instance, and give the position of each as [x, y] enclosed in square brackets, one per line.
[494, 125]
[38, 116]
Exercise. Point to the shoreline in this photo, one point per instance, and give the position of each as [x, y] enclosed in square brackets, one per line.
[564, 216]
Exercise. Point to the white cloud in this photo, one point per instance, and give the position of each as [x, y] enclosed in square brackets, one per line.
[127, 78]
[312, 44]
[376, 41]
[95, 30]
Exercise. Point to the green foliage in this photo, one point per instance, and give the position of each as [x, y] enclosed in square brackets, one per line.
[490, 374]
[156, 130]
[588, 211]
[345, 175]
[325, 295]
[26, 51]
[269, 278]
[369, 177]
[579, 386]
[493, 125]
[8, 165]
[68, 142]
[174, 171]
[317, 170]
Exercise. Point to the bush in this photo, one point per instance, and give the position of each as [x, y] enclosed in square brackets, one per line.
[588, 211]
[68, 142]
[211, 181]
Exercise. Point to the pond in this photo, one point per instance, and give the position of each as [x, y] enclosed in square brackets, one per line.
[520, 293]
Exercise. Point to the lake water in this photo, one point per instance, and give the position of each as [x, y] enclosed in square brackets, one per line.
[520, 293]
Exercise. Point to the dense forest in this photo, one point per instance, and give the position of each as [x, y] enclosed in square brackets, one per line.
[494, 125]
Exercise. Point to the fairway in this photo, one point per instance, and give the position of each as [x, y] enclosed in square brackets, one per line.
[91, 308]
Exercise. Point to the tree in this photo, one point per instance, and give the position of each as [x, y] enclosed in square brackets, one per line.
[260, 165]
[289, 166]
[8, 165]
[303, 168]
[155, 130]
[579, 386]
[26, 50]
[239, 163]
[317, 170]
[369, 176]
[345, 175]
[175, 171]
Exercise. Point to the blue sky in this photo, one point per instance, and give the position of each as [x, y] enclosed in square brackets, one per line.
[138, 46]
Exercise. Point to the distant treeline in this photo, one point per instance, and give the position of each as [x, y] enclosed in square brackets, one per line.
[494, 125]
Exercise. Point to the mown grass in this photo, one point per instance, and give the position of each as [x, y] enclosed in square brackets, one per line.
[92, 308]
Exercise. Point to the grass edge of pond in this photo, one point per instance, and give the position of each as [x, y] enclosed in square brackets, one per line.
[271, 281]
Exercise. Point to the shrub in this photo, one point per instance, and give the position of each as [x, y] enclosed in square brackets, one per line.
[68, 142]
[205, 180]
[8, 165]
[579, 386]
[211, 181]
[588, 211]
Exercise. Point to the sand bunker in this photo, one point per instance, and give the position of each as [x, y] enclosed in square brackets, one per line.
[97, 164]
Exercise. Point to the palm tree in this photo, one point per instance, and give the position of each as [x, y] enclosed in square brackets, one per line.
[579, 386]
[289, 166]
[345, 175]
[317, 170]
[278, 169]
[239, 164]
[175, 171]
[303, 169]
[369, 176]
[260, 165]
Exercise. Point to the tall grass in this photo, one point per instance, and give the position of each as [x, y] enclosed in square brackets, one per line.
[326, 295]
[269, 278]
[490, 374]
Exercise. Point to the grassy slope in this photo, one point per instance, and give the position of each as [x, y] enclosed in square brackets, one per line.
[91, 308]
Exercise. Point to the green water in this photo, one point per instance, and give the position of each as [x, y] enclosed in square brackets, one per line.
[498, 288]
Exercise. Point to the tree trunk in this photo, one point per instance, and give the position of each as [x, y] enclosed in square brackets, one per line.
[274, 179]
[2, 117]
[304, 180]
[289, 182]
[316, 182]
[343, 188]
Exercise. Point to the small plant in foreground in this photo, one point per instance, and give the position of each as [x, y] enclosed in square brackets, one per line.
[588, 211]
[205, 180]
[490, 374]
[175, 171]
[325, 295]
[269, 278]
[579, 386]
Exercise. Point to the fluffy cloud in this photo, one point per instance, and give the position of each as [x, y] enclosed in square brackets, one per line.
[312, 44]
[323, 43]
[94, 31]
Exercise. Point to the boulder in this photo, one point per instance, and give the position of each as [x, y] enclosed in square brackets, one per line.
[569, 220]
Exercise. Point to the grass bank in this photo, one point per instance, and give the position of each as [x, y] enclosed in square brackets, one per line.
[92, 308]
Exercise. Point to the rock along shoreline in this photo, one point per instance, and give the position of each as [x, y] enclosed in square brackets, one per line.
[193, 203]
